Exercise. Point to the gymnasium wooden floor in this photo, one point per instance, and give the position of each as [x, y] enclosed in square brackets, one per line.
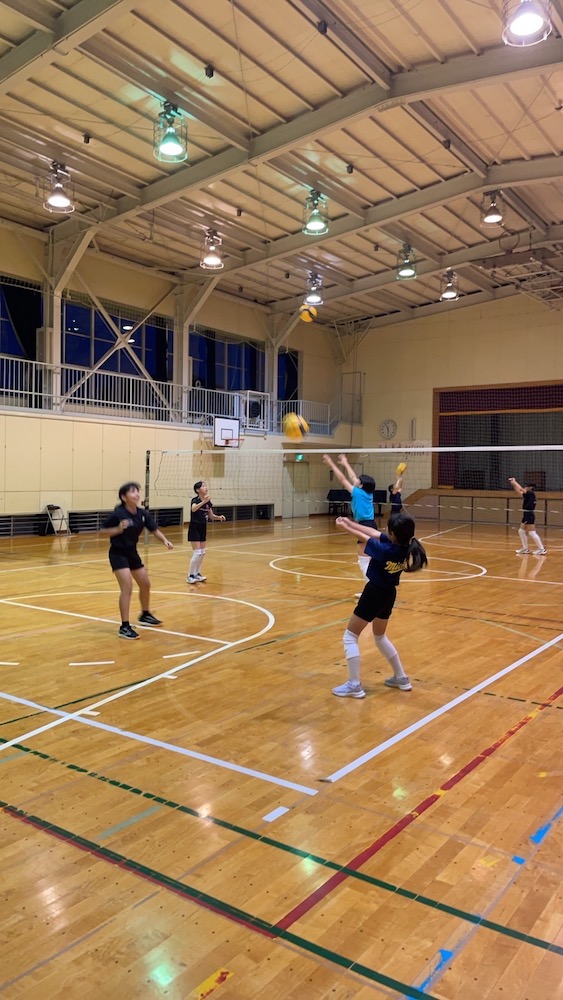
[196, 815]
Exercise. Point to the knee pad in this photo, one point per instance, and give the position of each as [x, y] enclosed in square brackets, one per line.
[350, 641]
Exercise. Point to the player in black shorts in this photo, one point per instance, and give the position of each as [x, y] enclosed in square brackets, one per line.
[123, 527]
[396, 495]
[526, 529]
[391, 553]
[202, 511]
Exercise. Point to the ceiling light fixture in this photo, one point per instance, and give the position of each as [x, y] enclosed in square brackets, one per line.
[211, 253]
[58, 190]
[314, 284]
[450, 290]
[170, 141]
[315, 215]
[406, 263]
[491, 211]
[526, 22]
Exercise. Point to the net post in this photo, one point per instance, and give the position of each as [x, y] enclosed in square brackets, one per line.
[147, 476]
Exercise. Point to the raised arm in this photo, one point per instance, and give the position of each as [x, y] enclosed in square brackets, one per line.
[347, 484]
[516, 486]
[348, 470]
[398, 487]
[362, 531]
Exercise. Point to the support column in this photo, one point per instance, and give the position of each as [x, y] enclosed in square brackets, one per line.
[181, 367]
[62, 256]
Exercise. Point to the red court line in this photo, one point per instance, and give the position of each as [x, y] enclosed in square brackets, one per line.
[323, 891]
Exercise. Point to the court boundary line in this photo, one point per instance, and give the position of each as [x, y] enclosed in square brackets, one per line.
[432, 716]
[257, 837]
[322, 891]
[212, 903]
[140, 738]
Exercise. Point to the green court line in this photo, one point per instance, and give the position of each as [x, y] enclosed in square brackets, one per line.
[434, 904]
[201, 898]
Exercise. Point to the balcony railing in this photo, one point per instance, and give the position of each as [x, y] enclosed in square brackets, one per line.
[31, 385]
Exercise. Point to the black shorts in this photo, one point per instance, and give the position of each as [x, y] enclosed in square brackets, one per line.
[528, 517]
[375, 602]
[125, 560]
[197, 532]
[369, 524]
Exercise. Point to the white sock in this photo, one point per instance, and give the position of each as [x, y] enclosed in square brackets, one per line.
[523, 537]
[536, 539]
[386, 647]
[352, 654]
[194, 563]
[200, 556]
[363, 563]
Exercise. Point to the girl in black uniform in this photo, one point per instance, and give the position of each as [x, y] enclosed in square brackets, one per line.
[201, 512]
[123, 527]
[390, 553]
[396, 496]
[526, 529]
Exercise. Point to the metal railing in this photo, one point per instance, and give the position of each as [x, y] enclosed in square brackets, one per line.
[32, 385]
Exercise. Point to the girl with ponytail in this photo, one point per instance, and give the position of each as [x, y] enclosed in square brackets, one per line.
[390, 553]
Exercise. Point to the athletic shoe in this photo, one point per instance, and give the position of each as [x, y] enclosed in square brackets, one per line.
[200, 578]
[540, 552]
[349, 690]
[402, 683]
[358, 595]
[147, 619]
[191, 578]
[522, 552]
[126, 632]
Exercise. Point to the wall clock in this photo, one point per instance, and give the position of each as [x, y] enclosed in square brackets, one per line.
[388, 429]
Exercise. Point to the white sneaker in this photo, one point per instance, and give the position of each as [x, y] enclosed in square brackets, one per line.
[191, 579]
[540, 552]
[200, 578]
[402, 683]
[522, 552]
[349, 690]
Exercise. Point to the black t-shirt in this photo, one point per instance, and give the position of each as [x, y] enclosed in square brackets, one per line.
[200, 516]
[127, 542]
[529, 500]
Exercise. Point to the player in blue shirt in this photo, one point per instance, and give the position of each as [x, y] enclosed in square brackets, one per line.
[390, 553]
[361, 490]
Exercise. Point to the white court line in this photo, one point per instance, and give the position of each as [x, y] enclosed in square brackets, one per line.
[89, 709]
[8, 663]
[446, 573]
[523, 579]
[95, 618]
[189, 652]
[275, 814]
[75, 717]
[348, 768]
[92, 663]
[466, 524]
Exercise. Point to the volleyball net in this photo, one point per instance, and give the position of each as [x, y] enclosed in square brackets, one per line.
[460, 483]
